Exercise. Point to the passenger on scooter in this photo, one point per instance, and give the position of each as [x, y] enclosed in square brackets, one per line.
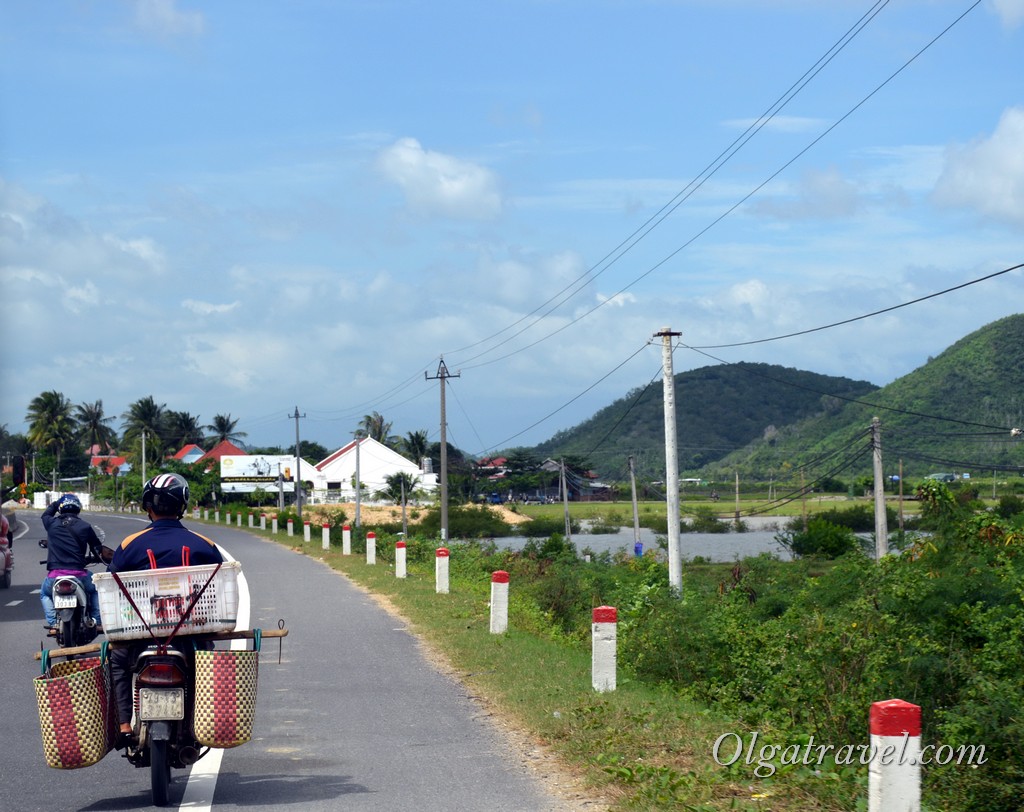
[164, 498]
[69, 540]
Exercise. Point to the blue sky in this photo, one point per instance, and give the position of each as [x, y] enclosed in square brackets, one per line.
[248, 207]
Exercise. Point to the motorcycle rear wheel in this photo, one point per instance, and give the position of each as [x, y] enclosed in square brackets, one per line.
[66, 633]
[159, 772]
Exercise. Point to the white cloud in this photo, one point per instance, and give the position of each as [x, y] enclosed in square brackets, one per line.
[823, 194]
[782, 124]
[988, 175]
[438, 184]
[1011, 12]
[76, 298]
[164, 19]
[206, 308]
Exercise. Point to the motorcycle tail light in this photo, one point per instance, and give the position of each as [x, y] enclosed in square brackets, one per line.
[161, 674]
[65, 588]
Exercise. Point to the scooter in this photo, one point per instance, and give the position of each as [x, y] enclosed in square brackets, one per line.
[162, 687]
[75, 626]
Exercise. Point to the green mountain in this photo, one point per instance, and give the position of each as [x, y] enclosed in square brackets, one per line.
[719, 409]
[952, 414]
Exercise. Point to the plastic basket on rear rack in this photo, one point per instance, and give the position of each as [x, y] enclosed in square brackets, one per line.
[163, 595]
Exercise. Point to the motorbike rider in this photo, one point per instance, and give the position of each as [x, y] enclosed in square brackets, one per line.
[69, 540]
[164, 498]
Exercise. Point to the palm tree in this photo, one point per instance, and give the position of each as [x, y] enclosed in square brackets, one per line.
[183, 429]
[377, 428]
[223, 428]
[51, 426]
[416, 446]
[92, 426]
[145, 415]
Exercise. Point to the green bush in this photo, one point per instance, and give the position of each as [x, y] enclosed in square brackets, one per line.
[821, 538]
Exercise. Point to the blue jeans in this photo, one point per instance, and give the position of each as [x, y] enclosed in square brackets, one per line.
[91, 595]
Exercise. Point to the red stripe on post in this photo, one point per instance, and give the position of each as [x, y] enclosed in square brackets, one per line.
[442, 552]
[345, 527]
[399, 544]
[371, 535]
[499, 577]
[894, 717]
[325, 526]
[606, 614]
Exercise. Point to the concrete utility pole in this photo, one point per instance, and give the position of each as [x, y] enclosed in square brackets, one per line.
[359, 486]
[881, 526]
[298, 465]
[636, 512]
[565, 504]
[442, 375]
[143, 456]
[675, 565]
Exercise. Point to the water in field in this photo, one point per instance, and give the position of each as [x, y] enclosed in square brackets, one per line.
[719, 547]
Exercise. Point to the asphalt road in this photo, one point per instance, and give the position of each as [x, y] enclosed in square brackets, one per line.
[353, 717]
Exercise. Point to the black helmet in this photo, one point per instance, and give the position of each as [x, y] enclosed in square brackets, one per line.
[166, 495]
[69, 503]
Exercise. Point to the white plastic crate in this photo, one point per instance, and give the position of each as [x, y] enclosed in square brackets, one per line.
[163, 595]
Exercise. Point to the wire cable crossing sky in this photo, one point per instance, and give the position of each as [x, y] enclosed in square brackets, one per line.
[234, 207]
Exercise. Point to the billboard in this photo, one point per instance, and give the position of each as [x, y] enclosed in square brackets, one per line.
[246, 473]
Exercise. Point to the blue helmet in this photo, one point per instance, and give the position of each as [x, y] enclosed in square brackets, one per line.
[69, 503]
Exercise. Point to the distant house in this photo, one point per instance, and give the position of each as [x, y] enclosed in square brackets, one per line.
[223, 449]
[189, 454]
[376, 463]
[109, 463]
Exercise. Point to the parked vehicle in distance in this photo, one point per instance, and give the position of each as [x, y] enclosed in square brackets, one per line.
[6, 555]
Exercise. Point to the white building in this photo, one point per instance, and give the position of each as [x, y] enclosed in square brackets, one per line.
[376, 462]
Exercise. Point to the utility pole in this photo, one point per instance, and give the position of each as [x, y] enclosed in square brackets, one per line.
[636, 512]
[298, 465]
[359, 485]
[442, 375]
[565, 504]
[881, 528]
[143, 456]
[675, 565]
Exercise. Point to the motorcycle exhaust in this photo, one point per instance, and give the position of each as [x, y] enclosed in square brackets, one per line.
[188, 756]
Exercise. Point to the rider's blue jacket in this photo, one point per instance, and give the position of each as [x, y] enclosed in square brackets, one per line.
[166, 538]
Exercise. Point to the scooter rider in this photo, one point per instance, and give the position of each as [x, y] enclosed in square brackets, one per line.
[164, 498]
[69, 539]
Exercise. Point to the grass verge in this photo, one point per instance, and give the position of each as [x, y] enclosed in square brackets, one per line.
[639, 747]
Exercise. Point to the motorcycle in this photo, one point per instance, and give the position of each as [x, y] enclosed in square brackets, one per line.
[75, 626]
[162, 698]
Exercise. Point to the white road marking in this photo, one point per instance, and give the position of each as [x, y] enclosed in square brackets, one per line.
[14, 603]
[202, 778]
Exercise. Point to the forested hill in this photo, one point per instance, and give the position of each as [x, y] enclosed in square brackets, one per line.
[954, 414]
[719, 409]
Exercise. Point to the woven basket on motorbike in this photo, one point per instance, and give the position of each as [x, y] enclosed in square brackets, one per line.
[77, 716]
[225, 697]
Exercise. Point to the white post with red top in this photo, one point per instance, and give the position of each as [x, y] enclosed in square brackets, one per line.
[894, 775]
[371, 548]
[604, 638]
[252, 520]
[307, 532]
[441, 571]
[239, 519]
[263, 521]
[275, 525]
[399, 559]
[499, 602]
[326, 536]
[346, 540]
[291, 527]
